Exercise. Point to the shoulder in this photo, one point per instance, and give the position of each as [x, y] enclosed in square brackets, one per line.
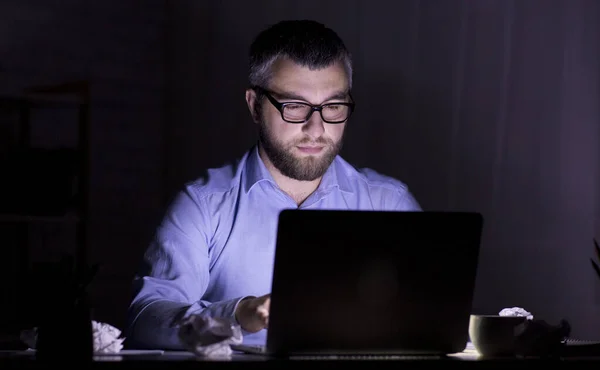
[217, 180]
[375, 179]
[197, 203]
[199, 197]
[390, 192]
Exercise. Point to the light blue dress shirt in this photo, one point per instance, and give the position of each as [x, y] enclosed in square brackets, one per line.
[216, 242]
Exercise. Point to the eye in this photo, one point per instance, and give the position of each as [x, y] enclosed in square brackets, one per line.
[293, 106]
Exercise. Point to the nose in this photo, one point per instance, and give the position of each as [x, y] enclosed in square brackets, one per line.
[314, 127]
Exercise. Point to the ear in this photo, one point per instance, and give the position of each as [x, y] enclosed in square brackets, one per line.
[252, 101]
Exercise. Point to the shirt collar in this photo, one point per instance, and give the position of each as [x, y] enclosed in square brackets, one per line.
[335, 177]
[256, 171]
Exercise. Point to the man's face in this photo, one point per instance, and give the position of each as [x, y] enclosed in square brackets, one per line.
[302, 151]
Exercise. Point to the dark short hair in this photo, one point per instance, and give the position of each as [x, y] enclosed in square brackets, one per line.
[306, 42]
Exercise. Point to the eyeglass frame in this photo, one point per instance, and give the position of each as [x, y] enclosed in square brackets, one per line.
[313, 108]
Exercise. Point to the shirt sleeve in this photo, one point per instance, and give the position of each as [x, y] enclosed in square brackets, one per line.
[173, 277]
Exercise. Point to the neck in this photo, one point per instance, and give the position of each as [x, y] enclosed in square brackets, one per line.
[296, 189]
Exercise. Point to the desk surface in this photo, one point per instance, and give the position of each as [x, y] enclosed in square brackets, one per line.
[186, 360]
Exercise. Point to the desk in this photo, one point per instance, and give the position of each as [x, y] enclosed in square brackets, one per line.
[186, 360]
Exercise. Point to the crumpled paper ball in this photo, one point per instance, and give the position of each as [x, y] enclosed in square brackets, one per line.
[516, 311]
[106, 338]
[209, 337]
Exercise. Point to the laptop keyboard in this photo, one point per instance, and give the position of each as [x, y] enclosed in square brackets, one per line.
[262, 349]
[364, 357]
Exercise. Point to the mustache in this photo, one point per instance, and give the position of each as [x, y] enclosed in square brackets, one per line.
[309, 141]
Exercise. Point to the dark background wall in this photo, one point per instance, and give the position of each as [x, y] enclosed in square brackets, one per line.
[489, 105]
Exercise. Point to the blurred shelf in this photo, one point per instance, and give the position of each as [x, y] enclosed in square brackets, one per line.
[13, 102]
[69, 217]
[65, 199]
[63, 94]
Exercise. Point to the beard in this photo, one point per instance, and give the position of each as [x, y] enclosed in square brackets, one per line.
[308, 168]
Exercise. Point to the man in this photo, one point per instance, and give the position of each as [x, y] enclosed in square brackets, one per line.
[213, 253]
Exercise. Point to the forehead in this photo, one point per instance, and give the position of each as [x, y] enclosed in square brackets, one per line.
[288, 76]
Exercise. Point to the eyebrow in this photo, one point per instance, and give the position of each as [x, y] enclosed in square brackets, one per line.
[340, 95]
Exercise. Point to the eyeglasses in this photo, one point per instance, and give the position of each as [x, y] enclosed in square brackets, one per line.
[298, 112]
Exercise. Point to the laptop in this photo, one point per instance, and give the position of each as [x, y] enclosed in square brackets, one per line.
[372, 283]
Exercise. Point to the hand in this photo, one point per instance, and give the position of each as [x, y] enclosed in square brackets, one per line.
[253, 313]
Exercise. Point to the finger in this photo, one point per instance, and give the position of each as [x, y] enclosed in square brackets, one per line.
[266, 304]
[262, 312]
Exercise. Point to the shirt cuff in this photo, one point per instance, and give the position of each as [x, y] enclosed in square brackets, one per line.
[237, 303]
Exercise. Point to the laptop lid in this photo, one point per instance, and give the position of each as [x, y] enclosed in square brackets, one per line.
[373, 282]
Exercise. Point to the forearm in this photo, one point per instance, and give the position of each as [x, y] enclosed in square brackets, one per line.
[156, 325]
